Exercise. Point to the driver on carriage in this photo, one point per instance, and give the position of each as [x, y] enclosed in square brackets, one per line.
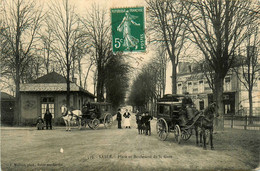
[188, 112]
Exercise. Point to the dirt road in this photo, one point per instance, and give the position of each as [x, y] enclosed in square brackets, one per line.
[123, 149]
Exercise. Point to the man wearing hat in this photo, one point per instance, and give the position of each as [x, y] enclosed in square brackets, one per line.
[47, 118]
[119, 118]
[148, 118]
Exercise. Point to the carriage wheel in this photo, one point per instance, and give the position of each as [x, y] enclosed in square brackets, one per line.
[90, 125]
[95, 123]
[186, 134]
[162, 129]
[108, 120]
[177, 133]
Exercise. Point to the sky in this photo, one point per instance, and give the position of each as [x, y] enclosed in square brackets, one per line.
[82, 6]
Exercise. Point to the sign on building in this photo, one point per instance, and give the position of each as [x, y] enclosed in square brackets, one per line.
[128, 29]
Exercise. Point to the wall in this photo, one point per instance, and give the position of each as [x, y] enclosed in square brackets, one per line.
[29, 106]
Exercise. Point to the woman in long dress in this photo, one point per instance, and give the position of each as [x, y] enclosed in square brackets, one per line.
[127, 116]
[129, 40]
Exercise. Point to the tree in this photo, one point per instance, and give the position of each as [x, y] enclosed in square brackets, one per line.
[63, 23]
[168, 26]
[21, 22]
[248, 69]
[116, 79]
[98, 32]
[218, 28]
[145, 88]
[46, 46]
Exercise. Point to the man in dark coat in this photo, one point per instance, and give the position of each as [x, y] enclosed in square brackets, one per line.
[148, 118]
[139, 122]
[48, 118]
[119, 118]
[39, 123]
[187, 107]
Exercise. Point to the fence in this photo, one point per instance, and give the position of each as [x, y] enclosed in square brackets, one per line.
[242, 122]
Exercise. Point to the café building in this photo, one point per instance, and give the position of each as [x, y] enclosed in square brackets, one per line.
[49, 92]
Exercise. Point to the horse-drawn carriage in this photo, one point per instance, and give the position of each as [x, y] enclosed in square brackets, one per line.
[95, 113]
[172, 117]
[92, 115]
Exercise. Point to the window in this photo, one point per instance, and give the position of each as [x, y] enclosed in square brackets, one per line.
[201, 87]
[190, 87]
[201, 104]
[195, 87]
[160, 109]
[227, 84]
[47, 103]
[164, 109]
[227, 108]
[179, 88]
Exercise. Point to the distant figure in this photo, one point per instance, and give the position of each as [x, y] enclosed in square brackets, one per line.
[40, 123]
[119, 118]
[48, 118]
[139, 122]
[148, 118]
[127, 116]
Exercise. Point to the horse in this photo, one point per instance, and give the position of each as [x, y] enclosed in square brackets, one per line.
[71, 116]
[205, 122]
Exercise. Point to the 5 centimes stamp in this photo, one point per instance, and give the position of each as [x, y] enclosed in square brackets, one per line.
[128, 29]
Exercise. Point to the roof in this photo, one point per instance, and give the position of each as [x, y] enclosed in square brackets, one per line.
[52, 77]
[52, 82]
[6, 97]
[100, 103]
[169, 103]
[171, 98]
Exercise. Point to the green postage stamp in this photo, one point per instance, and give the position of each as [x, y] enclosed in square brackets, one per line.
[128, 29]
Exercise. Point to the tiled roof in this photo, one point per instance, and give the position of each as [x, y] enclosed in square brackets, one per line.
[52, 77]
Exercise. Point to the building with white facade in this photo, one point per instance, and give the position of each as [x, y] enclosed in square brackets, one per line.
[235, 94]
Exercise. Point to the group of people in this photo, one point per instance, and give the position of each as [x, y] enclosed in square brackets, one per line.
[126, 115]
[48, 120]
[142, 121]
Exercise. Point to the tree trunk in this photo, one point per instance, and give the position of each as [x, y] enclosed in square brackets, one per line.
[250, 105]
[17, 117]
[219, 121]
[100, 86]
[174, 78]
[68, 84]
